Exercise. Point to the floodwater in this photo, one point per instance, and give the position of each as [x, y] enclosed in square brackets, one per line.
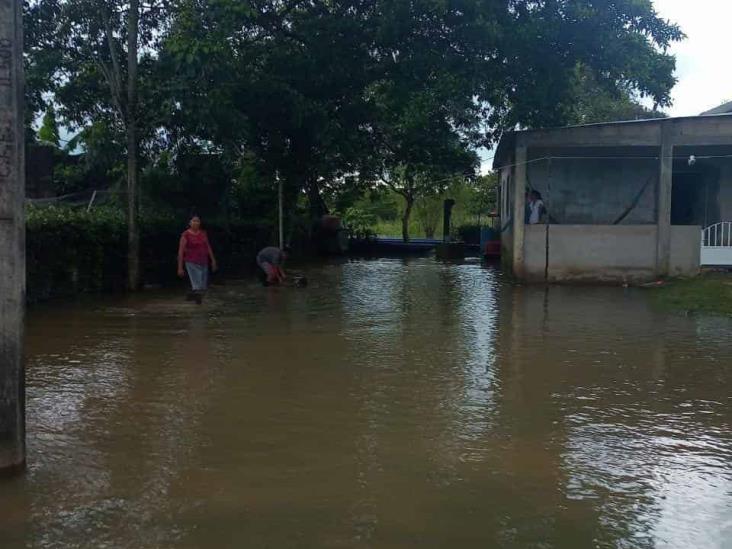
[390, 404]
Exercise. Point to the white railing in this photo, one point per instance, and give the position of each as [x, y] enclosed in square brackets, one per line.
[718, 235]
[716, 244]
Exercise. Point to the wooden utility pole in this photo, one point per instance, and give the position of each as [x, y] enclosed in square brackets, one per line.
[280, 212]
[12, 239]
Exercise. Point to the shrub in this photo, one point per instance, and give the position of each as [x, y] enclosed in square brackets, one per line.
[469, 233]
[70, 250]
[360, 224]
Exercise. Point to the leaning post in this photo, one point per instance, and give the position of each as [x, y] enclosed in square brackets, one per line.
[12, 239]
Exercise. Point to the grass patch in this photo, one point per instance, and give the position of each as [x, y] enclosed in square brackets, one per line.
[711, 293]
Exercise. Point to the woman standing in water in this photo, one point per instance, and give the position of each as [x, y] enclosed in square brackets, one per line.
[195, 251]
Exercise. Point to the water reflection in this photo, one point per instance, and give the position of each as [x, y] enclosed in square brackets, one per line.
[392, 403]
[643, 413]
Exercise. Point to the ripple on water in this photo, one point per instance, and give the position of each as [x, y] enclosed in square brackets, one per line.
[392, 402]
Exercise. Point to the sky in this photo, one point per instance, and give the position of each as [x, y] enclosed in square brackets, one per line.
[702, 60]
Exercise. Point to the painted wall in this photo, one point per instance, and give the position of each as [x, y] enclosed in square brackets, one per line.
[605, 253]
[595, 186]
[596, 191]
[685, 250]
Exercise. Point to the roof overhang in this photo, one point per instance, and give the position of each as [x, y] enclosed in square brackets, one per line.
[693, 130]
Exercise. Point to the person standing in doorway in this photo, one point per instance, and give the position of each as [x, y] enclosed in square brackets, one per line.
[537, 210]
[270, 260]
[194, 252]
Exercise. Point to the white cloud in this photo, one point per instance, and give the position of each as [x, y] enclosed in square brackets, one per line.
[702, 60]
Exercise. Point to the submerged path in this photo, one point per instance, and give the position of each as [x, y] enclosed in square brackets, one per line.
[391, 403]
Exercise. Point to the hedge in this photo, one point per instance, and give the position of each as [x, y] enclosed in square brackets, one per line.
[70, 250]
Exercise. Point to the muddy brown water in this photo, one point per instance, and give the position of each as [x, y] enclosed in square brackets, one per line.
[390, 404]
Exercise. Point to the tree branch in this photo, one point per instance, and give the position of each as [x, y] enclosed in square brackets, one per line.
[115, 74]
[132, 33]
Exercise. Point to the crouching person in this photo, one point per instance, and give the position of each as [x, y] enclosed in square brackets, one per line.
[270, 261]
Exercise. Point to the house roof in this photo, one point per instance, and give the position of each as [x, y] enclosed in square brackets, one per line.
[506, 146]
[724, 108]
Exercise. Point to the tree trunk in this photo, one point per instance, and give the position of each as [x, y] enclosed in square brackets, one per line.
[318, 207]
[133, 231]
[409, 202]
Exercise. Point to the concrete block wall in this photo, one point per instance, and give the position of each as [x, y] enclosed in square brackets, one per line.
[685, 250]
[605, 253]
[597, 192]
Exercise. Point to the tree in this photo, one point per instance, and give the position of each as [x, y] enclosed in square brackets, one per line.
[128, 112]
[94, 77]
[320, 90]
[595, 103]
[344, 93]
[485, 194]
[623, 43]
[48, 132]
[281, 80]
[414, 186]
[428, 212]
[418, 148]
[474, 198]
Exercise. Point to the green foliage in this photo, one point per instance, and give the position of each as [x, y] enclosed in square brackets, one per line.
[76, 50]
[382, 204]
[595, 102]
[93, 159]
[474, 200]
[484, 197]
[360, 223]
[74, 223]
[468, 232]
[48, 132]
[102, 144]
[69, 177]
[336, 99]
[318, 91]
[428, 214]
[70, 250]
[253, 192]
[190, 183]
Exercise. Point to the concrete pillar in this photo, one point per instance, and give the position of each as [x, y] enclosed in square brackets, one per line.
[665, 185]
[12, 239]
[519, 205]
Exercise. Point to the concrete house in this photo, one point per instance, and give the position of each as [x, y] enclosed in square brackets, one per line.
[626, 201]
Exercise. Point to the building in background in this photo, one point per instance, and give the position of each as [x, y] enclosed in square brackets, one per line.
[626, 201]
